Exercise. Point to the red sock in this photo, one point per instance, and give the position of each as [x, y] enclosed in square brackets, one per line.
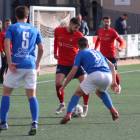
[60, 97]
[118, 79]
[113, 110]
[85, 98]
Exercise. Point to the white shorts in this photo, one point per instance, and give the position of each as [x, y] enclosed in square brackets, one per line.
[28, 77]
[100, 80]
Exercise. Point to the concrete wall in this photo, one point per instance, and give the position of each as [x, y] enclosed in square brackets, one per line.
[134, 6]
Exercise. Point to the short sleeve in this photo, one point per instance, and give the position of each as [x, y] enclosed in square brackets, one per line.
[39, 38]
[116, 35]
[77, 61]
[8, 33]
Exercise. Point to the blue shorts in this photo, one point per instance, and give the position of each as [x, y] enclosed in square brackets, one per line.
[66, 69]
[114, 61]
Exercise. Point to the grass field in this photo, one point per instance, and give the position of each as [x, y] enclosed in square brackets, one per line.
[97, 125]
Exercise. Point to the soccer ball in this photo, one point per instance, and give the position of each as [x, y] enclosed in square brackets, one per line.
[78, 110]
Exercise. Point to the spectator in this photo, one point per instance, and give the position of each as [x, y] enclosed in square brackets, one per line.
[84, 27]
[101, 26]
[4, 60]
[0, 25]
[121, 25]
[83, 11]
[94, 13]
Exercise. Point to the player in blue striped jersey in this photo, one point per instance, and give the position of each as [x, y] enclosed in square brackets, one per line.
[101, 74]
[22, 66]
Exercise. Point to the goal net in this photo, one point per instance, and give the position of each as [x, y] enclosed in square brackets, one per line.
[46, 19]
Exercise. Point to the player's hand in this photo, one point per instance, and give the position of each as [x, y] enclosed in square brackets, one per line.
[3, 54]
[37, 65]
[55, 56]
[114, 86]
[62, 88]
[128, 28]
[119, 49]
[12, 67]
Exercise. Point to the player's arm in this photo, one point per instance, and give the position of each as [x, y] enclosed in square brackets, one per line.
[69, 77]
[40, 54]
[121, 43]
[86, 30]
[97, 43]
[112, 68]
[55, 45]
[1, 45]
[12, 66]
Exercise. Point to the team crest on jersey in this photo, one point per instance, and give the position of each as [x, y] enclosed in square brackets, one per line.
[107, 34]
[71, 39]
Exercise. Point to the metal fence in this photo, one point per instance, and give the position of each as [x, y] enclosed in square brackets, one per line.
[133, 19]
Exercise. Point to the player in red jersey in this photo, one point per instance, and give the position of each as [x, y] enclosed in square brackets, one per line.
[65, 50]
[106, 38]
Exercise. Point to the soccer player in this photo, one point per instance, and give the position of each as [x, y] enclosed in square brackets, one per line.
[23, 65]
[106, 39]
[99, 78]
[65, 50]
[4, 60]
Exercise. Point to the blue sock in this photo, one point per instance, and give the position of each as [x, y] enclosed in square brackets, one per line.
[106, 100]
[5, 105]
[34, 108]
[73, 102]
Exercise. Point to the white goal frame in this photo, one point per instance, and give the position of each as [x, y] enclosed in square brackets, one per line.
[49, 8]
[48, 57]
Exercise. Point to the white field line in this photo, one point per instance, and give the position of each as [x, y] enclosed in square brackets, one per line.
[54, 80]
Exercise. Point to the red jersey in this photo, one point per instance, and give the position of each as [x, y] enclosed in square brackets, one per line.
[2, 34]
[65, 44]
[107, 42]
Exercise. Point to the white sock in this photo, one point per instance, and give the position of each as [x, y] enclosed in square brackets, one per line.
[62, 103]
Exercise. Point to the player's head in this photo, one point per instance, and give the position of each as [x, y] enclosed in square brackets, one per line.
[79, 16]
[125, 16]
[7, 23]
[82, 43]
[74, 25]
[106, 22]
[22, 12]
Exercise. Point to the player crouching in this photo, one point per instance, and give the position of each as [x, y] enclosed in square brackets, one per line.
[99, 78]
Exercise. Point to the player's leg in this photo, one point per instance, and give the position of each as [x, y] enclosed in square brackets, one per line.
[3, 68]
[104, 96]
[114, 61]
[73, 102]
[81, 75]
[5, 105]
[29, 82]
[34, 108]
[61, 73]
[85, 87]
[11, 81]
[118, 82]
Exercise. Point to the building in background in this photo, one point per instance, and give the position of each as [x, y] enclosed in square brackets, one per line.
[113, 8]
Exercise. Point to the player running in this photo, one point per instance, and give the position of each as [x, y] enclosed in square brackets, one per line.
[65, 50]
[99, 78]
[23, 65]
[106, 39]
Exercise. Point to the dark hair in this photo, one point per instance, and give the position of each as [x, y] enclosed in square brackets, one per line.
[75, 20]
[22, 12]
[9, 20]
[107, 17]
[125, 15]
[83, 42]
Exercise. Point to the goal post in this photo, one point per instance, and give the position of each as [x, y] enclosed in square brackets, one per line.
[46, 19]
